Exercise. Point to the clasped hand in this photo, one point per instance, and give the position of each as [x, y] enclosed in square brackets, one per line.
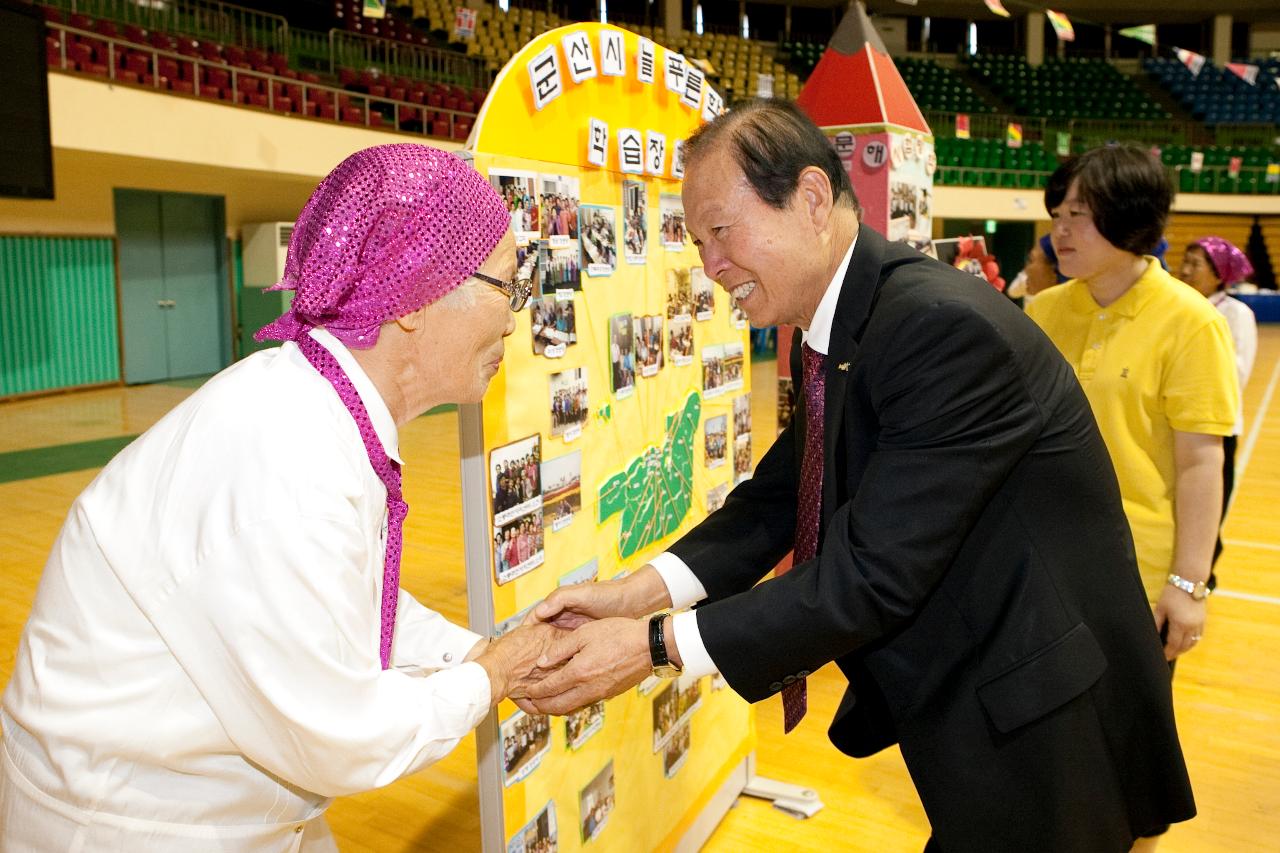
[601, 647]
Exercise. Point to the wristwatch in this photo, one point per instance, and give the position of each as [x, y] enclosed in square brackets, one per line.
[662, 665]
[1198, 590]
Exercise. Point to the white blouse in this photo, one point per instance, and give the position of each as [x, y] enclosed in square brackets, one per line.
[202, 661]
[1244, 334]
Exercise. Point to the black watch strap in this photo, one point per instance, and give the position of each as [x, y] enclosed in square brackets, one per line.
[662, 665]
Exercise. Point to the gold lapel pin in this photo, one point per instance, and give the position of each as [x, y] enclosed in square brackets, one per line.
[844, 365]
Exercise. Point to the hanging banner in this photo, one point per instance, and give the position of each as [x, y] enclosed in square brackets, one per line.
[1064, 144]
[1013, 135]
[1273, 173]
[374, 9]
[1234, 165]
[1191, 59]
[619, 419]
[1145, 33]
[997, 7]
[1197, 161]
[1061, 25]
[464, 22]
[962, 125]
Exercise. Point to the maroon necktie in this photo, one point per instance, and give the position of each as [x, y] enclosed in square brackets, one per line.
[795, 700]
[387, 469]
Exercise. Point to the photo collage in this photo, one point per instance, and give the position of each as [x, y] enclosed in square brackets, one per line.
[538, 835]
[516, 500]
[722, 366]
[561, 489]
[595, 802]
[525, 739]
[536, 482]
[673, 708]
[741, 438]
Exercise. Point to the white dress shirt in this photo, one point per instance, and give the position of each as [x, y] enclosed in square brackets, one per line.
[201, 667]
[1244, 334]
[682, 583]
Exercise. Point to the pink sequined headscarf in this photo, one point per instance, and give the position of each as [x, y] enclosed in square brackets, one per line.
[1229, 263]
[391, 229]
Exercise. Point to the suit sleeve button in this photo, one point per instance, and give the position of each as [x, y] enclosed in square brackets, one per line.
[790, 679]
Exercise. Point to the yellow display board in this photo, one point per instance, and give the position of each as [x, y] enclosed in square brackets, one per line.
[620, 416]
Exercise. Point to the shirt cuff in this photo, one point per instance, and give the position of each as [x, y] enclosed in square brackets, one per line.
[693, 654]
[682, 583]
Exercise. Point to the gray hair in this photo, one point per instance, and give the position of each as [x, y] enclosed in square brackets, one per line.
[461, 298]
[772, 141]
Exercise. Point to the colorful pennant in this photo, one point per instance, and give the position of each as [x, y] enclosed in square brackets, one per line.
[1013, 135]
[1145, 33]
[997, 7]
[1246, 72]
[962, 125]
[1191, 59]
[1061, 25]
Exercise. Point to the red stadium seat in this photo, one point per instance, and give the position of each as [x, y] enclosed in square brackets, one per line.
[186, 87]
[138, 62]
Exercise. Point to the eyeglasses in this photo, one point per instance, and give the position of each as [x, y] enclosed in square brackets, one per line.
[519, 288]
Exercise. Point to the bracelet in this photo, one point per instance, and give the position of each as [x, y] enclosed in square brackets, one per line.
[1198, 590]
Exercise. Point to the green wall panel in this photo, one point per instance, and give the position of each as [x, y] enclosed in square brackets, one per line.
[57, 313]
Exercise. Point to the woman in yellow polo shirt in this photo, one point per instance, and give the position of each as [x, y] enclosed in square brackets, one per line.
[1156, 362]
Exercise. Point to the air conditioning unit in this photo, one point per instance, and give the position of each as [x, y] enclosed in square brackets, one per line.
[264, 247]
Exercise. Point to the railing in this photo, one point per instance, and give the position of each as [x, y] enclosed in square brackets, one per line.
[1093, 132]
[203, 19]
[355, 50]
[402, 114]
[984, 177]
[1251, 180]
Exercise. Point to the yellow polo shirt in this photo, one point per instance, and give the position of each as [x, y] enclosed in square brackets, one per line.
[1156, 360]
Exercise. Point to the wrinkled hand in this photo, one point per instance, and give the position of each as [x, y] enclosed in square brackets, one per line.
[573, 606]
[597, 661]
[512, 660]
[1185, 617]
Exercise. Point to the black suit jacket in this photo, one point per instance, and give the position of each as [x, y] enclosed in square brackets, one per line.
[975, 580]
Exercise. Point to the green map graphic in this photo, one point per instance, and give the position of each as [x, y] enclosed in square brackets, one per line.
[656, 490]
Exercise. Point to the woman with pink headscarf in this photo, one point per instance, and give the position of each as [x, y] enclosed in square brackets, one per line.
[1211, 265]
[220, 644]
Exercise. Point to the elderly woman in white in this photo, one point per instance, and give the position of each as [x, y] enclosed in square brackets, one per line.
[219, 644]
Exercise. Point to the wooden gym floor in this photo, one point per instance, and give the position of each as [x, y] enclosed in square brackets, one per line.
[1227, 692]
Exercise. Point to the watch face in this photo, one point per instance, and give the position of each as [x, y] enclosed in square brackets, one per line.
[666, 670]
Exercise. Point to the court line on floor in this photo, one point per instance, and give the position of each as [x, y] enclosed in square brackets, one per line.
[1255, 429]
[1245, 543]
[1246, 596]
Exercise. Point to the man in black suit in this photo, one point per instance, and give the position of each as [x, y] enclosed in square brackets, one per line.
[974, 575]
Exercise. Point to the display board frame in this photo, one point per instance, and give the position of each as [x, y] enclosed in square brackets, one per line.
[563, 118]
